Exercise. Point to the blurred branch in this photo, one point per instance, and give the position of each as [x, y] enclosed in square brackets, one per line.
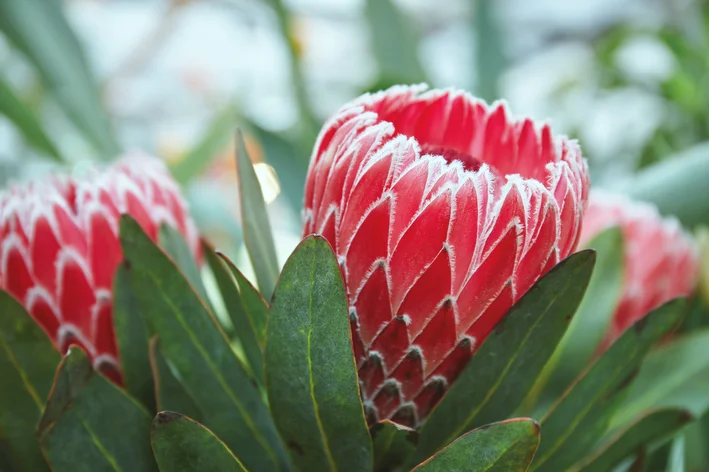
[40, 31]
[394, 44]
[26, 121]
[309, 125]
[490, 57]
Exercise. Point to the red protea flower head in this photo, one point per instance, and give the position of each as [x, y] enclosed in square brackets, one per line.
[660, 260]
[442, 211]
[59, 247]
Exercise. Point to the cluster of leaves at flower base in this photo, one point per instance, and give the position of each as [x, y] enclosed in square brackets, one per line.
[281, 391]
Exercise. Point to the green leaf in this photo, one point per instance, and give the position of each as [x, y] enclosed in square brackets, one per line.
[26, 121]
[90, 424]
[183, 445]
[394, 43]
[219, 132]
[311, 376]
[676, 461]
[172, 242]
[28, 361]
[683, 367]
[239, 313]
[677, 185]
[199, 354]
[593, 318]
[500, 374]
[648, 430]
[583, 414]
[393, 445]
[254, 218]
[40, 30]
[499, 447]
[170, 394]
[132, 339]
[256, 308]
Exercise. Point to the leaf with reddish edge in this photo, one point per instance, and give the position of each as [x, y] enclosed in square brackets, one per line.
[199, 353]
[393, 445]
[183, 445]
[498, 447]
[171, 241]
[132, 340]
[581, 417]
[239, 313]
[28, 361]
[90, 424]
[170, 394]
[504, 369]
[649, 430]
[311, 379]
[255, 305]
[254, 218]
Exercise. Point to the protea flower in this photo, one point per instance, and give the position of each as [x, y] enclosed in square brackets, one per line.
[660, 260]
[443, 211]
[59, 247]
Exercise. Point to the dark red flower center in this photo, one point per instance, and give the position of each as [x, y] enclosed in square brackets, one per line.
[450, 154]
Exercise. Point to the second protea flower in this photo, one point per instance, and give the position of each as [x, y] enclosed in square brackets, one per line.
[443, 211]
[660, 260]
[59, 247]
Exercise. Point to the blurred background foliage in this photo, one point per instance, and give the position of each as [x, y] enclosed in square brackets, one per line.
[81, 80]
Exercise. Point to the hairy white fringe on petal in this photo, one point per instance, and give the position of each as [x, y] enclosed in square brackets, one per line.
[69, 329]
[38, 294]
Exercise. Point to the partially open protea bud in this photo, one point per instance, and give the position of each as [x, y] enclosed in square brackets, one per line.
[442, 211]
[59, 247]
[660, 260]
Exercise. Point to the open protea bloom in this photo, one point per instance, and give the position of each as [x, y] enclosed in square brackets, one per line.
[660, 260]
[59, 247]
[442, 211]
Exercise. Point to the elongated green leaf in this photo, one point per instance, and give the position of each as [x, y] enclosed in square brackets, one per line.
[394, 43]
[238, 313]
[28, 361]
[219, 132]
[499, 447]
[311, 376]
[199, 354]
[256, 308]
[26, 121]
[172, 242]
[132, 340]
[183, 445]
[506, 366]
[92, 425]
[650, 429]
[583, 414]
[40, 30]
[677, 185]
[675, 374]
[676, 461]
[254, 218]
[593, 318]
[170, 394]
[393, 445]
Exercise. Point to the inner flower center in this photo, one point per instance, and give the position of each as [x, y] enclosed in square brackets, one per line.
[449, 154]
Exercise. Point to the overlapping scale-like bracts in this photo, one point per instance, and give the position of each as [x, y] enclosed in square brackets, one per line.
[442, 211]
[59, 247]
[660, 260]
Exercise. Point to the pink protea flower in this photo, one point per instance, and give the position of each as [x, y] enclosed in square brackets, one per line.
[442, 211]
[661, 261]
[59, 247]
